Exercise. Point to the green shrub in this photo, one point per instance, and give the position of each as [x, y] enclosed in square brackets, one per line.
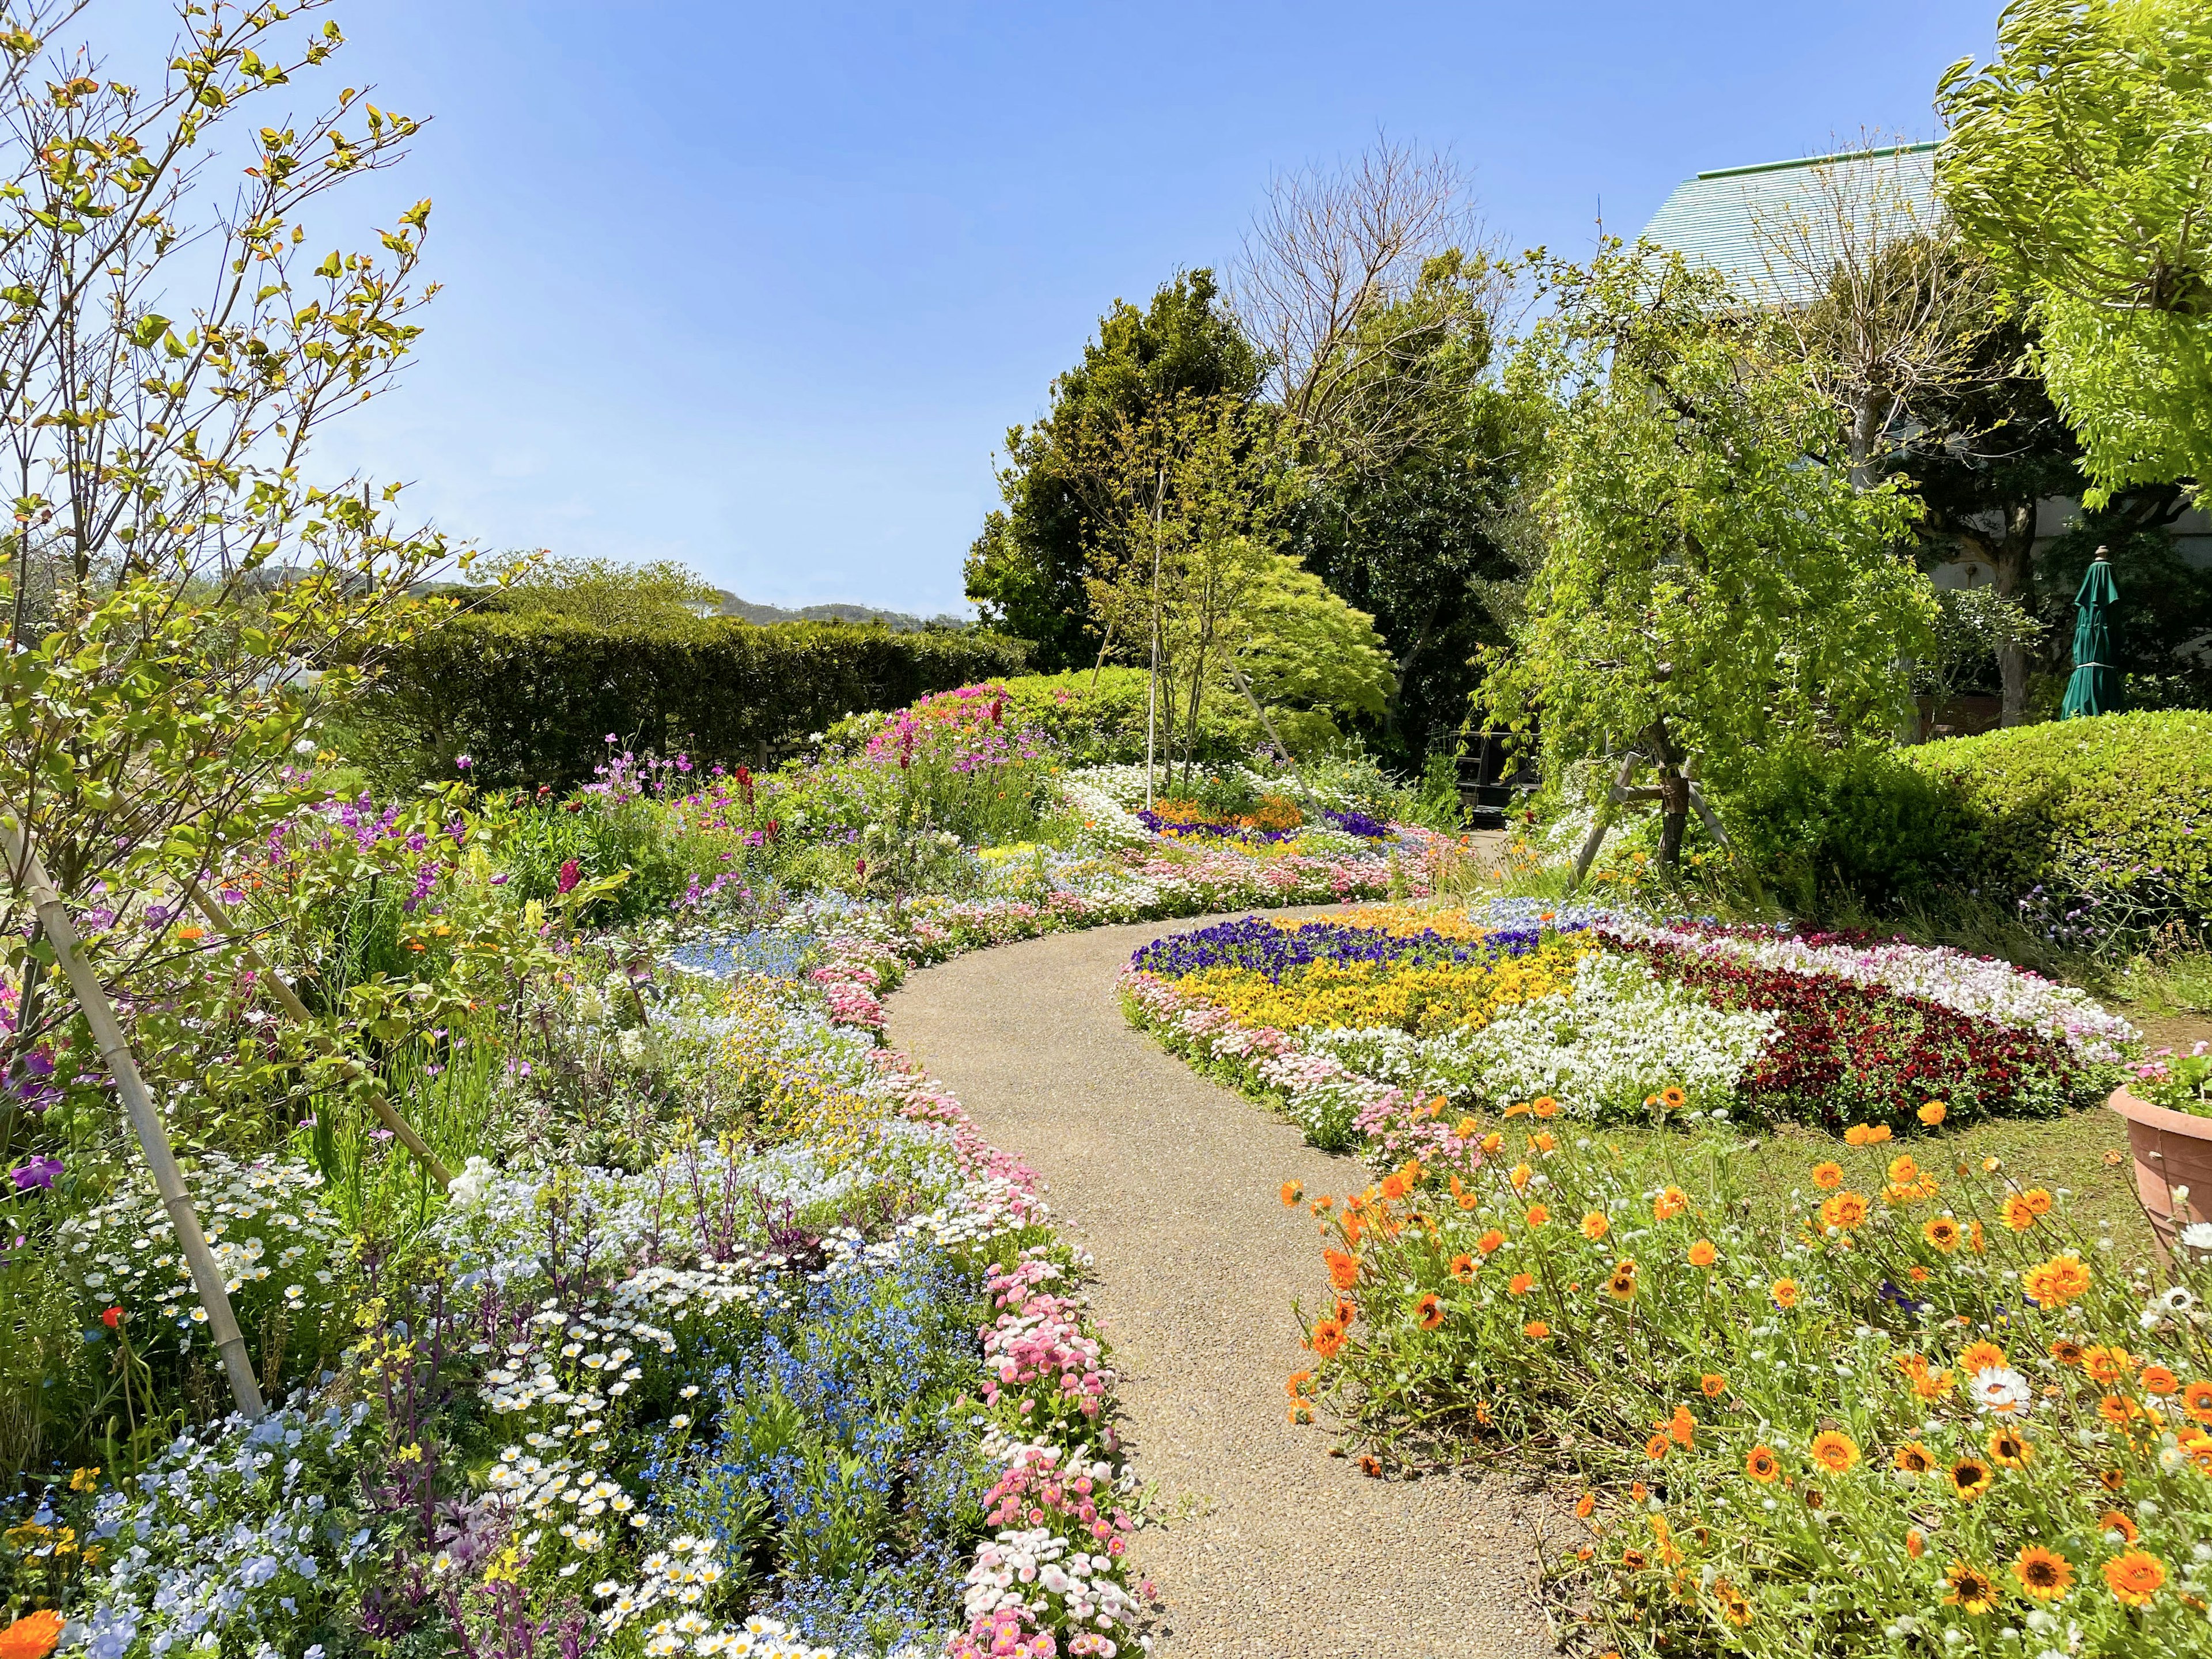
[1820, 826]
[1095, 720]
[530, 697]
[2112, 812]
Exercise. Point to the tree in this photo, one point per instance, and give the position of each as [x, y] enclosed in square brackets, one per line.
[1195, 490]
[2080, 162]
[1300, 655]
[1378, 306]
[1354, 281]
[1028, 568]
[182, 606]
[1712, 579]
[1893, 308]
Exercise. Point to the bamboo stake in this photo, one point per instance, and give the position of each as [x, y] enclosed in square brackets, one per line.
[378, 1100]
[28, 875]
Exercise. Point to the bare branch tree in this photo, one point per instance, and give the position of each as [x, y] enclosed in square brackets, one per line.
[1331, 282]
[1882, 300]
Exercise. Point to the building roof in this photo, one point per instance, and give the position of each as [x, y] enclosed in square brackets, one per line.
[1729, 218]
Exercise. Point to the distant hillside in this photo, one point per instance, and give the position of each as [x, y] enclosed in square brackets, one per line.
[897, 621]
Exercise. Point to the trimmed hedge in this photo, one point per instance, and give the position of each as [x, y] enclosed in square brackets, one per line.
[2114, 803]
[530, 697]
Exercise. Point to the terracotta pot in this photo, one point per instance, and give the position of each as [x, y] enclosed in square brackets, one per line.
[2171, 1149]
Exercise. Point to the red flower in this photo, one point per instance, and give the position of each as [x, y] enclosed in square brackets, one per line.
[111, 1318]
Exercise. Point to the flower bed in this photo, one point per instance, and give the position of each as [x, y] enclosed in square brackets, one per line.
[1361, 1028]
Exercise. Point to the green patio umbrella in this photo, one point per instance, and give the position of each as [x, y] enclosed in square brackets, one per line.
[2094, 688]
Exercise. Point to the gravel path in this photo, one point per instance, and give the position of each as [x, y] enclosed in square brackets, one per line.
[1272, 1550]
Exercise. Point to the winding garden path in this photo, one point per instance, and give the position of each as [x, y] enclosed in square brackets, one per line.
[1271, 1549]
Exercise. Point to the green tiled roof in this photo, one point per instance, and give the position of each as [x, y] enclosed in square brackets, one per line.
[1714, 218]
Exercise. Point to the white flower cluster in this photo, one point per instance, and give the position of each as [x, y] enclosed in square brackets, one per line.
[228, 1542]
[1107, 823]
[568, 1374]
[1016, 1566]
[1598, 1048]
[262, 1221]
[540, 1490]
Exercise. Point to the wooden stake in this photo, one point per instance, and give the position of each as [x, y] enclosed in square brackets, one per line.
[1604, 821]
[378, 1102]
[28, 876]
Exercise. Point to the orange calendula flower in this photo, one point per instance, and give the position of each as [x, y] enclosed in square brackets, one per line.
[1345, 1312]
[1596, 1225]
[1834, 1450]
[1682, 1426]
[2108, 1365]
[1828, 1176]
[1462, 1267]
[1292, 1192]
[2055, 1283]
[1343, 1269]
[1932, 1385]
[2118, 1410]
[2156, 1379]
[1321, 1205]
[1656, 1447]
[1519, 1177]
[2007, 1450]
[1970, 1588]
[1430, 1311]
[1913, 1458]
[1981, 1357]
[2134, 1577]
[1916, 1542]
[1784, 1292]
[1393, 1187]
[1492, 1141]
[1584, 1505]
[2196, 1400]
[1942, 1232]
[1733, 1606]
[1969, 1479]
[1672, 1098]
[1762, 1466]
[1538, 1215]
[1669, 1203]
[1490, 1241]
[1857, 1135]
[1521, 1284]
[1934, 1113]
[1299, 1385]
[1712, 1385]
[1545, 1106]
[2043, 1574]
[1974, 1240]
[1903, 1172]
[2116, 1521]
[1328, 1336]
[2066, 1352]
[1466, 1128]
[1535, 1330]
[2018, 1215]
[1543, 1143]
[1516, 1111]
[31, 1637]
[1844, 1212]
[1620, 1283]
[1703, 1255]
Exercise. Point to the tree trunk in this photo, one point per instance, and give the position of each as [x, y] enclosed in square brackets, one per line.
[1673, 796]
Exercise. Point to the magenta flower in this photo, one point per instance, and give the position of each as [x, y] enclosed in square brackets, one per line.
[571, 873]
[39, 1174]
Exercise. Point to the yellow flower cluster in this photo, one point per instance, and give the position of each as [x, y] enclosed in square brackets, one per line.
[1402, 921]
[1424, 998]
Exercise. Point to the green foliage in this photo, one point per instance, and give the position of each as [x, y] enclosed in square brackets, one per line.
[1027, 569]
[1306, 649]
[2078, 161]
[1713, 582]
[604, 592]
[604, 836]
[531, 697]
[2117, 807]
[1093, 718]
[1823, 826]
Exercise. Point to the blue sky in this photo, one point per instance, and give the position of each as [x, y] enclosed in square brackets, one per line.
[760, 289]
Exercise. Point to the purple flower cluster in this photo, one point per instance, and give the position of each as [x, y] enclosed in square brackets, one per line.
[1265, 948]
